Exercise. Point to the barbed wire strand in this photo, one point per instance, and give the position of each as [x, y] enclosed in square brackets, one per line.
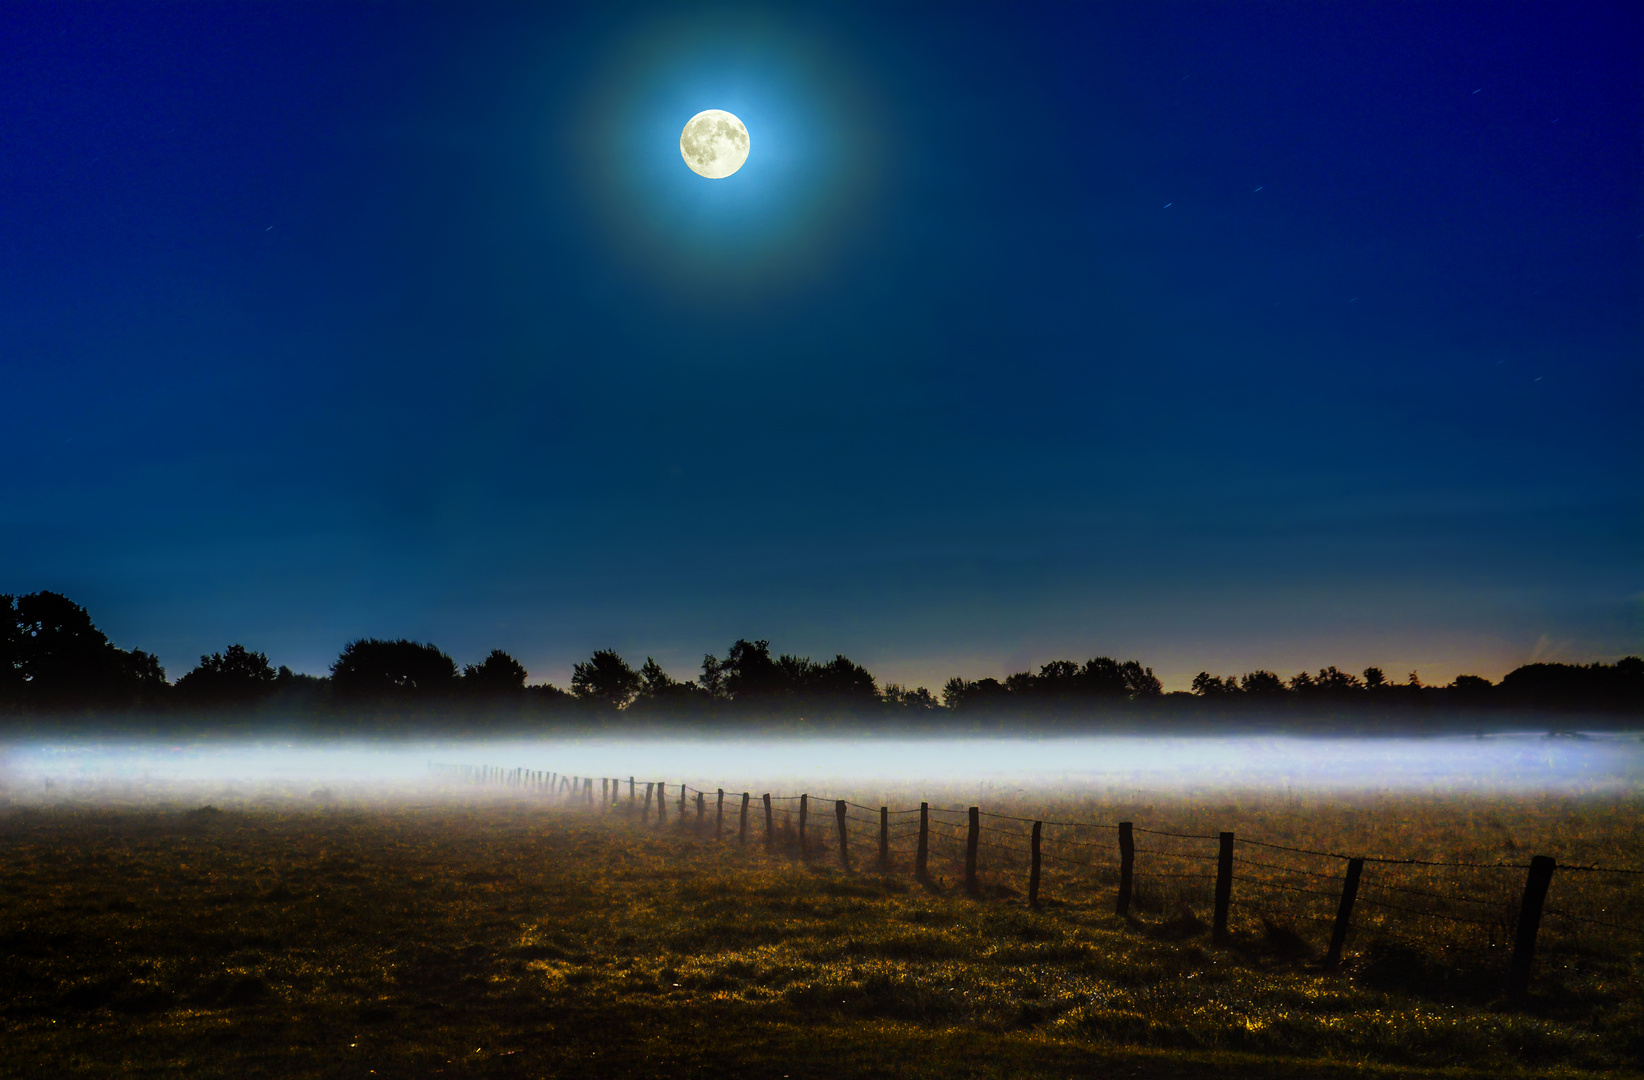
[1286, 869]
[1177, 855]
[1594, 922]
[1425, 914]
[1260, 884]
[1177, 835]
[1437, 896]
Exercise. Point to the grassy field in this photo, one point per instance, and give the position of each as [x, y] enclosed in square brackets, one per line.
[487, 935]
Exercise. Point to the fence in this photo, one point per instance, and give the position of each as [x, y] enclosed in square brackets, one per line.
[1174, 864]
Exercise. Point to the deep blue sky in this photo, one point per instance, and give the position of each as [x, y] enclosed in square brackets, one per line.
[1217, 336]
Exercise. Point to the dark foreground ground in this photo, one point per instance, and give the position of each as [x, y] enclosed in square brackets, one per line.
[505, 939]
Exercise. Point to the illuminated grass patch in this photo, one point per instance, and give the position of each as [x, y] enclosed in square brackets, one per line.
[504, 938]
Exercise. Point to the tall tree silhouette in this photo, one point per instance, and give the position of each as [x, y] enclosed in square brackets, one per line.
[59, 660]
[750, 674]
[392, 670]
[606, 679]
[497, 676]
[234, 677]
[1261, 683]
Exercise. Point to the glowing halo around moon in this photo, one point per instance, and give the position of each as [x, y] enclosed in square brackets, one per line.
[714, 144]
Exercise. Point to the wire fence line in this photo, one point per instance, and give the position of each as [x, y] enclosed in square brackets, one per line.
[881, 836]
[1286, 869]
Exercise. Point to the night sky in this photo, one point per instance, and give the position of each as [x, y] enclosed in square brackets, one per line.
[1221, 336]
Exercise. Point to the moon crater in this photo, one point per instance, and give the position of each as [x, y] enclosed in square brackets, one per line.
[714, 144]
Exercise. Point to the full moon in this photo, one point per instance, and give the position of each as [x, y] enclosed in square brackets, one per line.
[714, 144]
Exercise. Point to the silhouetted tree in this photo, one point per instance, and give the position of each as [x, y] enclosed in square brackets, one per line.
[1618, 686]
[752, 680]
[900, 697]
[654, 682]
[497, 676]
[750, 674]
[59, 660]
[1057, 682]
[606, 680]
[298, 693]
[546, 698]
[1261, 684]
[12, 681]
[392, 670]
[233, 678]
[1470, 690]
[1332, 680]
[840, 685]
[982, 695]
[660, 694]
[713, 677]
[1208, 685]
[1021, 686]
[1374, 679]
[1140, 682]
[1103, 676]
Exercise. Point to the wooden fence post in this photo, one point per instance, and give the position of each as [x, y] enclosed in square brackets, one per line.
[682, 806]
[1127, 865]
[1224, 889]
[839, 812]
[645, 814]
[1344, 913]
[921, 858]
[804, 809]
[970, 848]
[603, 785]
[632, 796]
[742, 826]
[769, 838]
[884, 838]
[661, 803]
[719, 816]
[1529, 921]
[1033, 875]
[701, 809]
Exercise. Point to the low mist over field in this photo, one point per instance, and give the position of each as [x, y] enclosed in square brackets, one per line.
[1523, 764]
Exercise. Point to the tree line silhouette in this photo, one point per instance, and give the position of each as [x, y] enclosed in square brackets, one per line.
[54, 661]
